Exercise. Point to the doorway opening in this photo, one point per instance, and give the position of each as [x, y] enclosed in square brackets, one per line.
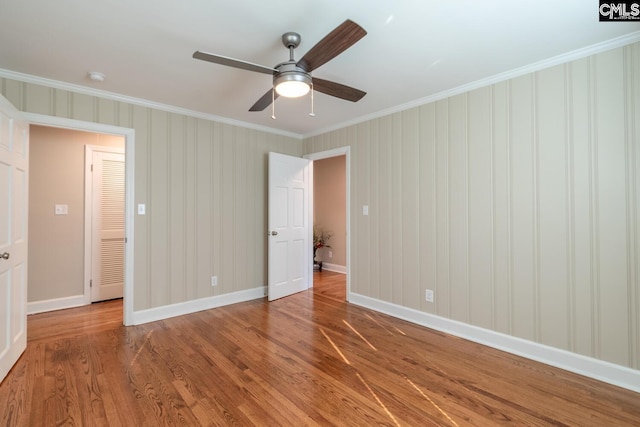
[83, 297]
[331, 209]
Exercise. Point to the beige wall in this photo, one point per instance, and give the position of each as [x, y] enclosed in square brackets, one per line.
[204, 184]
[518, 203]
[329, 206]
[56, 242]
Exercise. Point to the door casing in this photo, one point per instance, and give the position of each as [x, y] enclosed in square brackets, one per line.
[129, 136]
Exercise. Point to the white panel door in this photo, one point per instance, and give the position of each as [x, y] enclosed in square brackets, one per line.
[107, 253]
[289, 231]
[14, 155]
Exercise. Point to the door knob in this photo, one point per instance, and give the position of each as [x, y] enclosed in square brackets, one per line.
[274, 233]
[5, 255]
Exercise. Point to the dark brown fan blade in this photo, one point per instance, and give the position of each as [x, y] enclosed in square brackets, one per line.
[334, 43]
[264, 101]
[338, 90]
[236, 63]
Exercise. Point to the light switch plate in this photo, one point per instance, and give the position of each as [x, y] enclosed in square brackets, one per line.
[365, 210]
[142, 209]
[62, 209]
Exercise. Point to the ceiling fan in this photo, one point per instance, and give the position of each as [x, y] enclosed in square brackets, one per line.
[293, 79]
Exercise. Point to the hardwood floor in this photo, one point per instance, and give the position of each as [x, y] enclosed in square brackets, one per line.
[308, 359]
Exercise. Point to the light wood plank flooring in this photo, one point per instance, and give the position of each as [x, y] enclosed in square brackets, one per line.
[308, 359]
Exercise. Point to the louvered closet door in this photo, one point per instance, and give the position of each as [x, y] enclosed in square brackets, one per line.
[107, 226]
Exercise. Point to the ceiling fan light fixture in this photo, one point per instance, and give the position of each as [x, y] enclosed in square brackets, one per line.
[292, 85]
[292, 89]
[292, 79]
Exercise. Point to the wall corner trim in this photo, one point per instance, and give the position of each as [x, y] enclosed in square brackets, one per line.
[600, 370]
[193, 306]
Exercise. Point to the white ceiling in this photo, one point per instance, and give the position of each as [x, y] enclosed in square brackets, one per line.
[414, 49]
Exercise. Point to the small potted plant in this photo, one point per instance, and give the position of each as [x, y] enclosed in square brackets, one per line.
[320, 239]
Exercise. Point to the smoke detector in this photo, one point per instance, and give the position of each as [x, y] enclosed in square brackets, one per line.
[96, 76]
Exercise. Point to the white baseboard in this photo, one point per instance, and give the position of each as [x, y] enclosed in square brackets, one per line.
[56, 304]
[334, 267]
[620, 376]
[188, 307]
[153, 314]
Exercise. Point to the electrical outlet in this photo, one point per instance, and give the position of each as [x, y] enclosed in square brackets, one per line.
[330, 254]
[214, 280]
[428, 295]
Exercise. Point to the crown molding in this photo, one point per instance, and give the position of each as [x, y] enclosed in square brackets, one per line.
[531, 68]
[527, 69]
[27, 78]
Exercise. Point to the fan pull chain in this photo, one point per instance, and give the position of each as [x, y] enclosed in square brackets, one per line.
[312, 113]
[273, 103]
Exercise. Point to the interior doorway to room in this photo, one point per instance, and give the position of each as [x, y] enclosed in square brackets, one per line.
[331, 211]
[61, 248]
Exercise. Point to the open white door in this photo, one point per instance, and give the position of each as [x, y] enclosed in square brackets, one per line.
[289, 230]
[14, 161]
